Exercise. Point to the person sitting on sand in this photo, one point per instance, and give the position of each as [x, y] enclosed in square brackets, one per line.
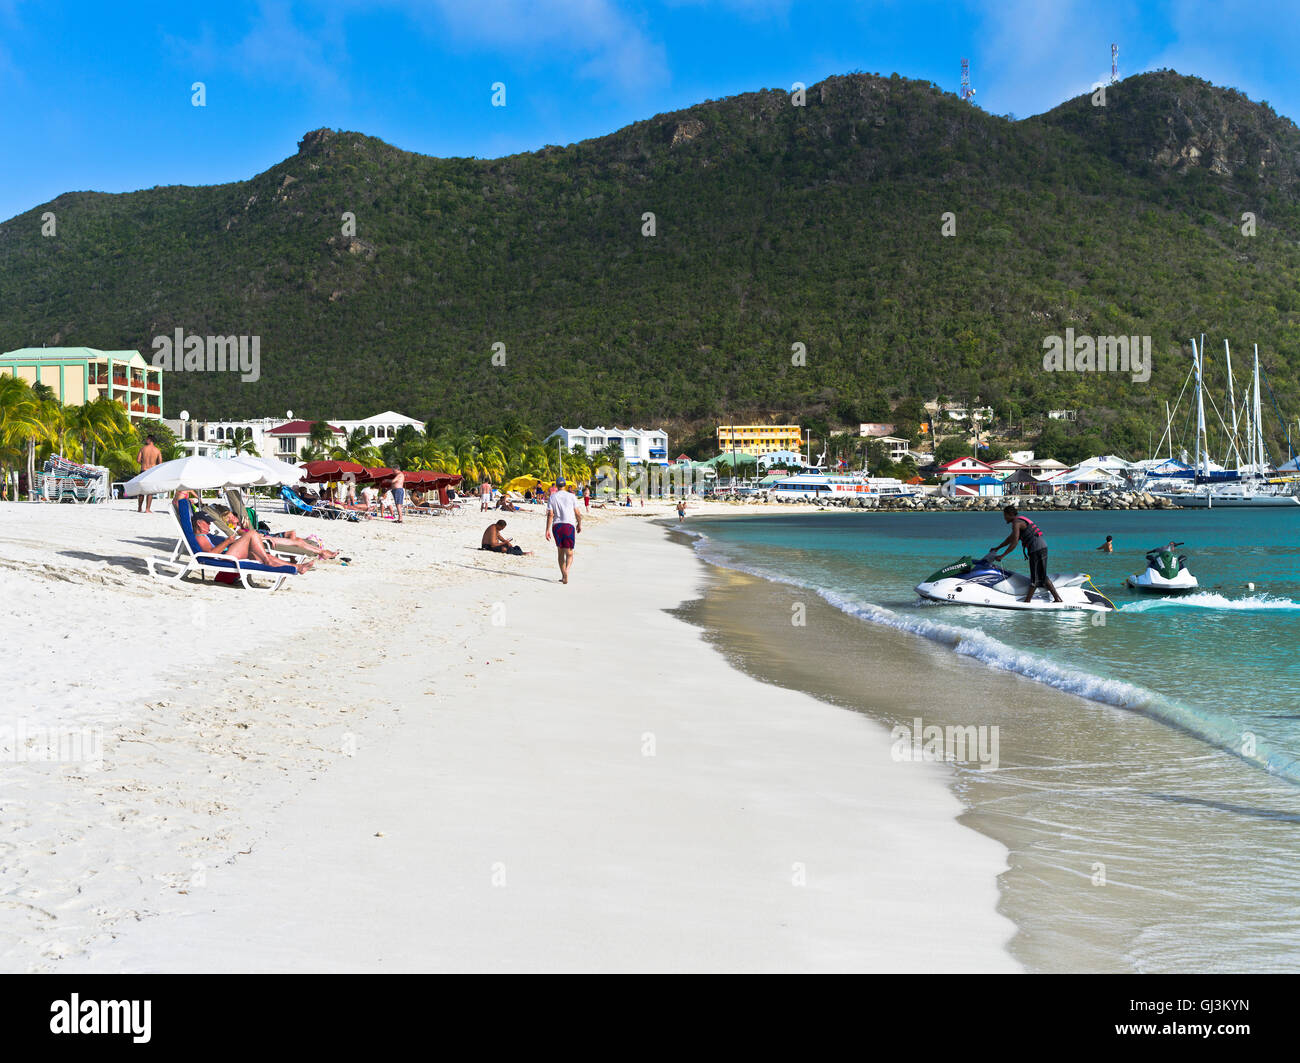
[245, 545]
[496, 542]
[276, 540]
[504, 503]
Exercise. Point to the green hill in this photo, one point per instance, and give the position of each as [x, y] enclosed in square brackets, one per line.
[775, 225]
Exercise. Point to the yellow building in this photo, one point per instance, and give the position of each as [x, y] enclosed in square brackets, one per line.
[759, 438]
[78, 375]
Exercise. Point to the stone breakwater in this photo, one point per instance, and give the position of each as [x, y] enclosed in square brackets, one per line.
[938, 503]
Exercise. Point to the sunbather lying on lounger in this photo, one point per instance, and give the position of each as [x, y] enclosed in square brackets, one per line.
[244, 545]
[277, 540]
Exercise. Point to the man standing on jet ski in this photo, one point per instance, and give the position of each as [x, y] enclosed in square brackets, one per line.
[1030, 536]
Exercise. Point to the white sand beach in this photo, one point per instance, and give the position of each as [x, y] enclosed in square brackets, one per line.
[437, 759]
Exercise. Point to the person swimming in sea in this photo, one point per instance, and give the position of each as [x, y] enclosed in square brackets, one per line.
[1107, 547]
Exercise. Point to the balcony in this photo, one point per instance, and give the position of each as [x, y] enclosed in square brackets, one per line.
[153, 385]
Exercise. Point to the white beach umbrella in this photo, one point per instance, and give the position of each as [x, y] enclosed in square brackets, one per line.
[194, 473]
[271, 471]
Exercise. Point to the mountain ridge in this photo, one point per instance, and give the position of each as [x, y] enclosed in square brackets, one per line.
[774, 225]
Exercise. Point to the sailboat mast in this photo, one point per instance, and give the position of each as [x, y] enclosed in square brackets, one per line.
[1259, 419]
[1200, 408]
[1232, 405]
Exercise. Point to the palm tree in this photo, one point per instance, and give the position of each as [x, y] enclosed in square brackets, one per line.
[406, 443]
[21, 425]
[242, 442]
[360, 448]
[439, 456]
[99, 425]
[50, 412]
[320, 436]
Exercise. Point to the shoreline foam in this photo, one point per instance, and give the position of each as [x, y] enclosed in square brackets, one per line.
[1133, 846]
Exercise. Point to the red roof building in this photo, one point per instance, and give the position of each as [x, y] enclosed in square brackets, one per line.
[293, 436]
[965, 467]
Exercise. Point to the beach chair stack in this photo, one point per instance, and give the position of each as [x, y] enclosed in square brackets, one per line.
[61, 480]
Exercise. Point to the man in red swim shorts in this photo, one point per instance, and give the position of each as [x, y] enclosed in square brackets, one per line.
[564, 519]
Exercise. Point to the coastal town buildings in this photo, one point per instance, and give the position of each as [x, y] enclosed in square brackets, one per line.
[279, 437]
[80, 375]
[758, 439]
[639, 445]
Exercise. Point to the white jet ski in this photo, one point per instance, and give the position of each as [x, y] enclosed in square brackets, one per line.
[986, 583]
[1166, 573]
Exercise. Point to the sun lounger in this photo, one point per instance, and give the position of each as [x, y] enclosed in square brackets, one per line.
[187, 557]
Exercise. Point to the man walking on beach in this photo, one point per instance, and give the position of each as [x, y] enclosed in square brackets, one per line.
[1027, 533]
[399, 493]
[563, 518]
[148, 457]
[484, 495]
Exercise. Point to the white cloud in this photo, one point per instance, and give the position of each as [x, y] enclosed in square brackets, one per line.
[606, 43]
[1038, 55]
[273, 48]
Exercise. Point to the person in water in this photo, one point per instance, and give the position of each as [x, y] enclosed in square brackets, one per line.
[1107, 547]
[1030, 536]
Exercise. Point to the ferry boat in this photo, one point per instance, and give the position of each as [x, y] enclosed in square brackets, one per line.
[817, 486]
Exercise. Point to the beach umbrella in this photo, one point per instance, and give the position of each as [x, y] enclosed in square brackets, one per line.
[319, 472]
[273, 471]
[194, 473]
[377, 475]
[521, 483]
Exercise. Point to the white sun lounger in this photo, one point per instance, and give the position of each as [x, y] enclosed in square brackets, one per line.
[186, 557]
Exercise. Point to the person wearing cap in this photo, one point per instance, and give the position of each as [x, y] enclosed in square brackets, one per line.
[564, 519]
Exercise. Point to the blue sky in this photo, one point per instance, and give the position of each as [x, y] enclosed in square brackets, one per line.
[98, 96]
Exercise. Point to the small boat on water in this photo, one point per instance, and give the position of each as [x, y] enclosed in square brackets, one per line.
[817, 486]
[1166, 573]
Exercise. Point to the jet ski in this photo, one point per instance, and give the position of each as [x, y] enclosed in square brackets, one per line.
[986, 583]
[1166, 573]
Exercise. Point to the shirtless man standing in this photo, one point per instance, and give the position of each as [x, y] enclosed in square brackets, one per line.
[148, 457]
[399, 493]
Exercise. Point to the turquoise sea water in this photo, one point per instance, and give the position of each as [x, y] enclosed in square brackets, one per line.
[1222, 664]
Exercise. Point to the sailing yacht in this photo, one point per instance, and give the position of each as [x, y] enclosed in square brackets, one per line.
[1250, 488]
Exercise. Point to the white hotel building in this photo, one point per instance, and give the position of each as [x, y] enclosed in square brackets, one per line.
[271, 439]
[648, 445]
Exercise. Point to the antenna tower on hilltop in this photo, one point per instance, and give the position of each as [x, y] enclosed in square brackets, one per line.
[967, 93]
[1114, 63]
